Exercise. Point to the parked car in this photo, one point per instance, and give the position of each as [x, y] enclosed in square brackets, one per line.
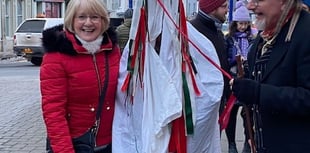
[28, 35]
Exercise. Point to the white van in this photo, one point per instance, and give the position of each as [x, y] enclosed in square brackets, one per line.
[27, 38]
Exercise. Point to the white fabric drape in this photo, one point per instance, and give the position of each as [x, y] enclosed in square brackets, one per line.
[162, 104]
[206, 137]
[143, 125]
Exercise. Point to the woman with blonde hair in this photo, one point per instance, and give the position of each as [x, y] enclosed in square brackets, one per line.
[78, 79]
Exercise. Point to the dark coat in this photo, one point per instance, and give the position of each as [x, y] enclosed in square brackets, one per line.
[123, 33]
[284, 99]
[207, 28]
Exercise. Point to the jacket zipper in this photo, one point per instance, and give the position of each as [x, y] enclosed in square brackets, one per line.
[97, 72]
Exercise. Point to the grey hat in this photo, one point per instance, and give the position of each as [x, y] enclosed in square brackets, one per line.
[128, 13]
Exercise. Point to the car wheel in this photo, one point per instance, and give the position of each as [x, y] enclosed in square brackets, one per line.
[36, 61]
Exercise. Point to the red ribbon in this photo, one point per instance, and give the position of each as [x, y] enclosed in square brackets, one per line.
[224, 117]
[226, 113]
[140, 41]
[177, 142]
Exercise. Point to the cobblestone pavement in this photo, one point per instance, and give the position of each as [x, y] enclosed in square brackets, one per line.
[21, 124]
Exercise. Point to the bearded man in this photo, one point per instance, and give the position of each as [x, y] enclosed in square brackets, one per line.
[278, 86]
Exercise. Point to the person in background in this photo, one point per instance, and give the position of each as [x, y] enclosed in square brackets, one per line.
[306, 5]
[82, 59]
[211, 15]
[124, 29]
[238, 40]
[278, 87]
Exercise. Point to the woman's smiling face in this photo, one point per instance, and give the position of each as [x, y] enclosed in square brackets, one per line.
[88, 26]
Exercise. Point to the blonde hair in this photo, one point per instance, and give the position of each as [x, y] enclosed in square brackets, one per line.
[92, 7]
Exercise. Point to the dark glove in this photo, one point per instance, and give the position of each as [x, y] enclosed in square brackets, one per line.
[246, 91]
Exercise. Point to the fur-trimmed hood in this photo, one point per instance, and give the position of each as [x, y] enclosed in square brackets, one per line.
[55, 40]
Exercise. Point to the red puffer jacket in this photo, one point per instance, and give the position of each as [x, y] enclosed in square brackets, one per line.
[71, 82]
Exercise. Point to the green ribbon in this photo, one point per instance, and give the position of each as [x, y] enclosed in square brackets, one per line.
[188, 107]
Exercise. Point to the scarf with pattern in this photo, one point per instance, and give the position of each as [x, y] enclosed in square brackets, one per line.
[243, 43]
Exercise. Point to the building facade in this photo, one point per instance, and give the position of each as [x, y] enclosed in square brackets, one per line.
[13, 12]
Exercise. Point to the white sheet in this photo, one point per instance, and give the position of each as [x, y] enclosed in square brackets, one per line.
[143, 126]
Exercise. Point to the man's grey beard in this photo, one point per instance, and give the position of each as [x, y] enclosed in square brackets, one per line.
[260, 24]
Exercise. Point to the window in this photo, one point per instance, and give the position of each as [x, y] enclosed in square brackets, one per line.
[19, 11]
[32, 26]
[7, 17]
